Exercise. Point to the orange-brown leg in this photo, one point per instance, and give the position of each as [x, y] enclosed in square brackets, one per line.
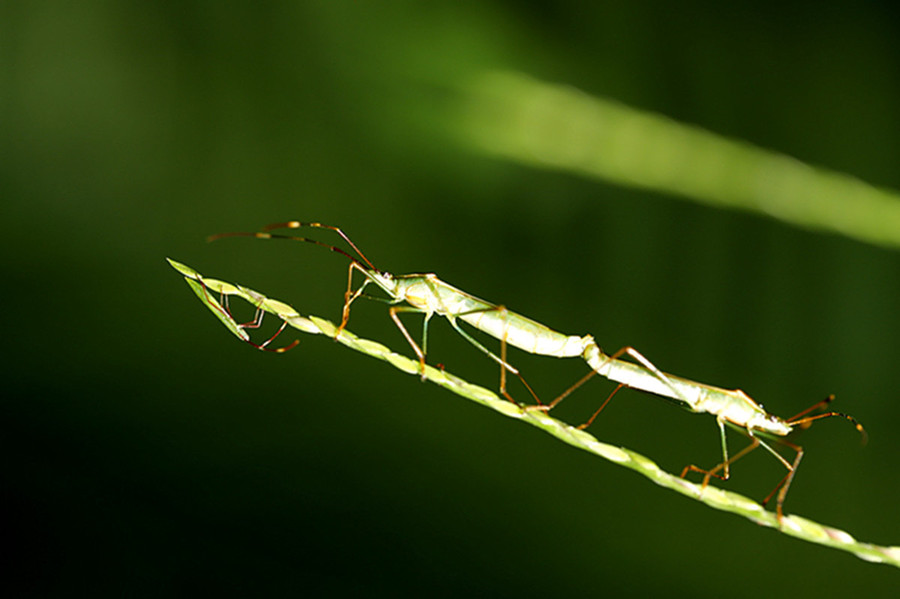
[350, 296]
[785, 483]
[504, 365]
[725, 465]
[625, 350]
[223, 307]
[420, 353]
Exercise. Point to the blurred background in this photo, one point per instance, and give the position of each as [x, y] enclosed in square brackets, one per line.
[148, 452]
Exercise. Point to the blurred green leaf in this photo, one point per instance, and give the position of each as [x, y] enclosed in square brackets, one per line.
[559, 127]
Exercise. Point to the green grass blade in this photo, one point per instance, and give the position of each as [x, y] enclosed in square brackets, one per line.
[714, 497]
[558, 127]
[204, 293]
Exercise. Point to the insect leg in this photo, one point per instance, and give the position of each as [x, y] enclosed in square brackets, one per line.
[590, 420]
[350, 295]
[597, 367]
[785, 484]
[224, 313]
[707, 474]
[501, 360]
[394, 310]
[726, 461]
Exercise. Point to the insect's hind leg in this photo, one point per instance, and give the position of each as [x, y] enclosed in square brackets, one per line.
[634, 354]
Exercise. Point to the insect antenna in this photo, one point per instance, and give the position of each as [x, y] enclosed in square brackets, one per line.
[804, 421]
[265, 234]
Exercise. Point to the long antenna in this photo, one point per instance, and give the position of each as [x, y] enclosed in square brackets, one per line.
[803, 420]
[264, 234]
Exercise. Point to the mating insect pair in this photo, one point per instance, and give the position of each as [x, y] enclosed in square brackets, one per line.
[428, 295]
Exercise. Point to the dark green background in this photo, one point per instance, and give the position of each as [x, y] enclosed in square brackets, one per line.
[148, 452]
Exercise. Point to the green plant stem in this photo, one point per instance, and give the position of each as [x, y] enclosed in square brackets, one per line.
[714, 497]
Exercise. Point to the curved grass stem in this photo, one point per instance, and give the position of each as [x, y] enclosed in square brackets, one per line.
[795, 526]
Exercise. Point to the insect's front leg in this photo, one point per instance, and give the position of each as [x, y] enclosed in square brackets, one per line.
[726, 462]
[785, 484]
[350, 295]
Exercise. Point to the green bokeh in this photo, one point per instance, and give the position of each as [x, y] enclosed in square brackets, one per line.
[148, 451]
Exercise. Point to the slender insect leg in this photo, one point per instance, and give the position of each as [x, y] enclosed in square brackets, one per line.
[569, 391]
[394, 310]
[257, 316]
[591, 374]
[256, 323]
[279, 350]
[707, 474]
[425, 322]
[659, 374]
[785, 484]
[350, 296]
[639, 357]
[226, 309]
[590, 420]
[221, 306]
[501, 360]
[726, 462]
[504, 365]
